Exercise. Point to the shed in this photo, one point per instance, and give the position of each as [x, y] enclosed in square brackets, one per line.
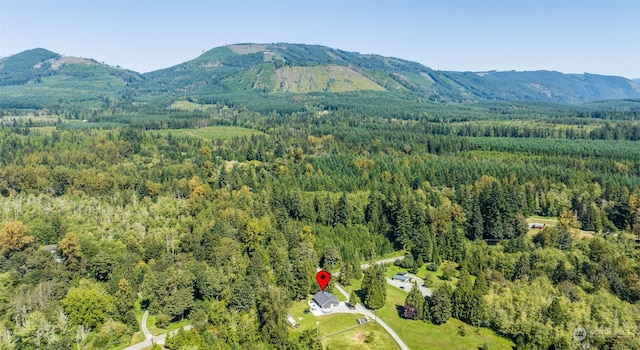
[292, 321]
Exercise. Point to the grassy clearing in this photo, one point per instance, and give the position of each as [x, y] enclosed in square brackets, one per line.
[553, 221]
[42, 130]
[25, 118]
[549, 220]
[365, 337]
[339, 331]
[436, 277]
[151, 325]
[190, 106]
[420, 335]
[534, 124]
[211, 132]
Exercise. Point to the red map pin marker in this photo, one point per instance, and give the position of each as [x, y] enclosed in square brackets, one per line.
[323, 278]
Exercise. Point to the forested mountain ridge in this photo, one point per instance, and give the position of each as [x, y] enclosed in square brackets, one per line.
[41, 78]
[276, 69]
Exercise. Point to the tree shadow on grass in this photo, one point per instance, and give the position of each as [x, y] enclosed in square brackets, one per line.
[400, 310]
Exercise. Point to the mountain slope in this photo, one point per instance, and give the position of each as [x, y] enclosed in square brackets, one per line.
[297, 68]
[42, 77]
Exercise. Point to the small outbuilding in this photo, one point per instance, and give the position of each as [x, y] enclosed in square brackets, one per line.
[326, 301]
[292, 321]
[536, 225]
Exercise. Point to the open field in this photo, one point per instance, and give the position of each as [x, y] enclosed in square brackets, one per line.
[190, 106]
[420, 335]
[211, 132]
[553, 221]
[435, 276]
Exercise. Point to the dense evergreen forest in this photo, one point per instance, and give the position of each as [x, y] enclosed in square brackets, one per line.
[225, 232]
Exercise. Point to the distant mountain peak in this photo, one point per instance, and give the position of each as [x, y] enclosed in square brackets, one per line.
[286, 68]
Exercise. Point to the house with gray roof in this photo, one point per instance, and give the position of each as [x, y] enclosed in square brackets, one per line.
[326, 301]
[402, 277]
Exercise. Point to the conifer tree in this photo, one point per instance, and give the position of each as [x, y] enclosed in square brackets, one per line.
[353, 299]
[414, 303]
[440, 305]
[463, 297]
[341, 215]
[374, 287]
[523, 268]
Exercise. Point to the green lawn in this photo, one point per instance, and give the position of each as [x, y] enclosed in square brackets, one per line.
[543, 219]
[420, 335]
[553, 221]
[338, 331]
[211, 132]
[436, 276]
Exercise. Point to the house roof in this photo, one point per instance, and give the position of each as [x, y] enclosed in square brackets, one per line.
[325, 299]
[400, 277]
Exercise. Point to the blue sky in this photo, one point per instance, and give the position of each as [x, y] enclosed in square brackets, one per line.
[595, 36]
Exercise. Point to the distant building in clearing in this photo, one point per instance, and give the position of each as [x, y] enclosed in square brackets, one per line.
[536, 225]
[402, 278]
[326, 301]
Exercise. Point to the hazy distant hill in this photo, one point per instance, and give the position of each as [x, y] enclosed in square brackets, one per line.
[572, 88]
[41, 76]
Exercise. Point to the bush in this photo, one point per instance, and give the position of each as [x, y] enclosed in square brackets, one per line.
[408, 262]
[428, 280]
[462, 331]
[432, 267]
[162, 321]
[111, 334]
[448, 272]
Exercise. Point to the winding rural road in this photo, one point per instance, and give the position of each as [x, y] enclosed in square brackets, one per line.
[342, 308]
[150, 338]
[359, 309]
[145, 330]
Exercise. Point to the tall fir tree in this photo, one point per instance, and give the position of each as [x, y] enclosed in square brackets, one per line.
[440, 305]
[374, 287]
[414, 303]
[462, 299]
[341, 215]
